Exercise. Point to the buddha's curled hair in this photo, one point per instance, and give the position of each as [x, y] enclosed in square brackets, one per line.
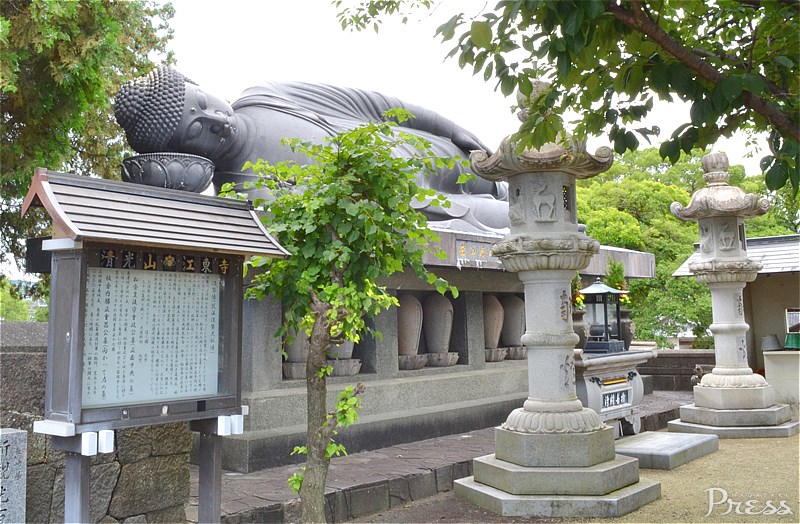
[149, 108]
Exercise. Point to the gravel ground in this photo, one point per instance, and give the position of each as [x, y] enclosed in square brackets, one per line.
[755, 470]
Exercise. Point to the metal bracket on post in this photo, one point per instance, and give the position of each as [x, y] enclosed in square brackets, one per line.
[210, 464]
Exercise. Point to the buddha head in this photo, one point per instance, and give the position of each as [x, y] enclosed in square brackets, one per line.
[165, 111]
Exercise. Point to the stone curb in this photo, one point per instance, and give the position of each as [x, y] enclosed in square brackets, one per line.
[362, 500]
[381, 491]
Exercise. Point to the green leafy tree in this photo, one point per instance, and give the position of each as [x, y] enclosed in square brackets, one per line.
[41, 314]
[613, 227]
[615, 278]
[635, 195]
[783, 217]
[12, 307]
[60, 64]
[347, 221]
[665, 306]
[735, 61]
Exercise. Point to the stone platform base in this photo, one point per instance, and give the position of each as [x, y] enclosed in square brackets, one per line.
[734, 398]
[769, 416]
[787, 429]
[614, 504]
[598, 479]
[661, 450]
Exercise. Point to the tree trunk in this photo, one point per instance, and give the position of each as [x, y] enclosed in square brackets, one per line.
[312, 492]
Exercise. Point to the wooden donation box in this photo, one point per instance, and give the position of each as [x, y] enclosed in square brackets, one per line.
[145, 304]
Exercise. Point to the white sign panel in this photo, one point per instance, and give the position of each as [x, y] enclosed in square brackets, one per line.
[149, 336]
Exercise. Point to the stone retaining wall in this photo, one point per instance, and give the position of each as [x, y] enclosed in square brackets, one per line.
[673, 369]
[146, 479]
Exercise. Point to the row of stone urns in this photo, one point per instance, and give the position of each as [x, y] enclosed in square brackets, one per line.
[425, 326]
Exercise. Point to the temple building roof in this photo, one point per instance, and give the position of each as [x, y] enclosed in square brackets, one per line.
[780, 254]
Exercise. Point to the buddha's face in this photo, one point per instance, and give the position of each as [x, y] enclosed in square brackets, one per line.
[207, 125]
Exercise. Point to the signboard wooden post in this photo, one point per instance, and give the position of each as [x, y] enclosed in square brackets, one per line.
[145, 319]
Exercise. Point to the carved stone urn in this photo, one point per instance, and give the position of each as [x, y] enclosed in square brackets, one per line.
[296, 355]
[492, 327]
[627, 329]
[409, 330]
[580, 327]
[437, 326]
[492, 321]
[513, 327]
[437, 322]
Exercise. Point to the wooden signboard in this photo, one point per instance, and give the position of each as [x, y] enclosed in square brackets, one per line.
[145, 318]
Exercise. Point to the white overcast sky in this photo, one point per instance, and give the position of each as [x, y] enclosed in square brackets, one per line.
[229, 46]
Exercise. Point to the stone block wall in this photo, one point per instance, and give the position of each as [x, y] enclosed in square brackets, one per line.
[673, 369]
[145, 480]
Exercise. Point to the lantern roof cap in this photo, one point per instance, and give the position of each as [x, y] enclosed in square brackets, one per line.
[598, 288]
[718, 198]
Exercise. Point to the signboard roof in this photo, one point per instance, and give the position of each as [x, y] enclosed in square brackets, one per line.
[90, 209]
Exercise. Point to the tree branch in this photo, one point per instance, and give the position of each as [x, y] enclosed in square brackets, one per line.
[637, 20]
[329, 429]
[757, 3]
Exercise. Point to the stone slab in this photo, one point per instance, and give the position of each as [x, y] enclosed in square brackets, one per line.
[771, 416]
[575, 450]
[647, 384]
[786, 429]
[614, 504]
[662, 450]
[734, 398]
[13, 464]
[599, 479]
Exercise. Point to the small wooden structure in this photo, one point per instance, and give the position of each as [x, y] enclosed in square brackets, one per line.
[145, 318]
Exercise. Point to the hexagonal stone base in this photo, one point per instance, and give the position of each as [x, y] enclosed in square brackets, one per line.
[770, 416]
[734, 398]
[599, 479]
[614, 504]
[535, 450]
[787, 429]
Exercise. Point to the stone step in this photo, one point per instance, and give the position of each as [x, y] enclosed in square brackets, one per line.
[599, 479]
[771, 416]
[662, 450]
[787, 429]
[614, 504]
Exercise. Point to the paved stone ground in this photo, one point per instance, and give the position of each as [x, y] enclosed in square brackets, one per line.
[370, 482]
[749, 481]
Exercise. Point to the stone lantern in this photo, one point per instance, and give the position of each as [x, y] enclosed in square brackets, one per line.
[602, 302]
[554, 457]
[731, 401]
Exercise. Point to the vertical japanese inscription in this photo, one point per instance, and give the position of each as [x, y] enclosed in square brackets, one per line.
[149, 336]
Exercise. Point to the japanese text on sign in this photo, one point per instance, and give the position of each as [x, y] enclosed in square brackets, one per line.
[149, 336]
[616, 398]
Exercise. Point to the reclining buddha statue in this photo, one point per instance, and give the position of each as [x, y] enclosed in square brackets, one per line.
[165, 111]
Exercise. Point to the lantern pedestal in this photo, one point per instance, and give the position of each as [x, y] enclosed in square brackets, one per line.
[731, 401]
[554, 457]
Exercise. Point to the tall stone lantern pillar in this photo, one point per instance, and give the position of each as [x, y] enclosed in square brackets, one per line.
[553, 457]
[731, 401]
